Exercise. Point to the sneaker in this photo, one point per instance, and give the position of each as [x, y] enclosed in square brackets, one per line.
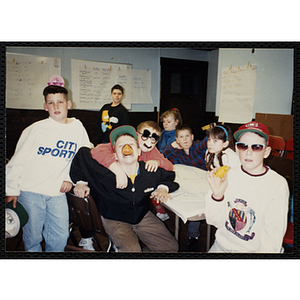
[192, 245]
[87, 244]
[163, 217]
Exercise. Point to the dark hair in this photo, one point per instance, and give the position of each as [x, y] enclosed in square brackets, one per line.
[219, 133]
[117, 87]
[174, 112]
[55, 89]
[184, 127]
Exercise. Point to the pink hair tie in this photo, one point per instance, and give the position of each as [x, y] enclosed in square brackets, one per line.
[56, 80]
[174, 109]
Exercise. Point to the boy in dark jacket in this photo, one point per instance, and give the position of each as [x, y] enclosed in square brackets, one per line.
[125, 212]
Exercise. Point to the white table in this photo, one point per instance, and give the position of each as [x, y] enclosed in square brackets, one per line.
[188, 202]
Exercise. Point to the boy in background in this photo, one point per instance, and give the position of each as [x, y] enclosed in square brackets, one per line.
[38, 173]
[125, 212]
[111, 115]
[186, 151]
[249, 205]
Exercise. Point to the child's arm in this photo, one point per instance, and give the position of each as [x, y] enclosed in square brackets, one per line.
[151, 165]
[161, 195]
[121, 177]
[217, 185]
[12, 198]
[169, 152]
[81, 190]
[15, 166]
[201, 145]
[155, 159]
[275, 219]
[176, 145]
[66, 186]
[103, 154]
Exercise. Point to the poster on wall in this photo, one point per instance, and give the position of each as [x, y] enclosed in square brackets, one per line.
[92, 82]
[237, 94]
[26, 78]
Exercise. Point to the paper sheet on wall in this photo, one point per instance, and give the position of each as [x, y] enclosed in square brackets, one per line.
[26, 78]
[137, 84]
[92, 83]
[237, 94]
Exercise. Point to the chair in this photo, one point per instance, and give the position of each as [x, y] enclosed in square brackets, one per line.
[288, 237]
[277, 144]
[289, 149]
[84, 212]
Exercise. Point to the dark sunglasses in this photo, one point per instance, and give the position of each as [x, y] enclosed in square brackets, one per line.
[146, 135]
[254, 147]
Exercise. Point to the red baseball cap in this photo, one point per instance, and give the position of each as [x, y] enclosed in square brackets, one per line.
[252, 126]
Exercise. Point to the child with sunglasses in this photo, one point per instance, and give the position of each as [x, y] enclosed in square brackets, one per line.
[220, 150]
[249, 205]
[148, 134]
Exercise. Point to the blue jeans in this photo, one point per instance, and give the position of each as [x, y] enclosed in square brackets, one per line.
[48, 218]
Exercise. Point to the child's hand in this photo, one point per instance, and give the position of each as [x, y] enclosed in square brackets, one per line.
[121, 180]
[81, 190]
[161, 195]
[121, 176]
[217, 185]
[66, 186]
[176, 145]
[151, 165]
[12, 198]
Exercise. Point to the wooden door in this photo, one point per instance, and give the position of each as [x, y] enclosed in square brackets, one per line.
[184, 85]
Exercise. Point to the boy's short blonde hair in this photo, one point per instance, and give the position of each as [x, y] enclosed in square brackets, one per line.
[151, 124]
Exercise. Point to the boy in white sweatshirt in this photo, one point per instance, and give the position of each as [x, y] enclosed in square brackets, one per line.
[38, 173]
[249, 205]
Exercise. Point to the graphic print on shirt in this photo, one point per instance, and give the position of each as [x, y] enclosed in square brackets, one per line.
[61, 149]
[241, 220]
[106, 120]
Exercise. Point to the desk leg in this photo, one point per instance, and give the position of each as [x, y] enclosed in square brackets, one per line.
[208, 237]
[176, 227]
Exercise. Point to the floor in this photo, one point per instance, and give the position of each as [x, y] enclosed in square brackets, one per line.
[16, 244]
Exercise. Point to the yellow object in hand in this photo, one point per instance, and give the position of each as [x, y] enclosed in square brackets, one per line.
[222, 171]
[127, 150]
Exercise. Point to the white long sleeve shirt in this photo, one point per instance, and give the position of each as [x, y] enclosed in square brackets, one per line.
[252, 217]
[43, 155]
[229, 158]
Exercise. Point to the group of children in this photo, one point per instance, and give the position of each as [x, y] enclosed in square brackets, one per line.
[248, 206]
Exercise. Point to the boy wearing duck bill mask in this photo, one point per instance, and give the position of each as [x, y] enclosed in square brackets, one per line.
[126, 214]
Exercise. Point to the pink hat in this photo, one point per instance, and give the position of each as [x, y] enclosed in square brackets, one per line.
[56, 80]
[253, 126]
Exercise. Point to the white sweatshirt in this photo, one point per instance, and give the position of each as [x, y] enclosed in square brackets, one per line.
[253, 215]
[42, 158]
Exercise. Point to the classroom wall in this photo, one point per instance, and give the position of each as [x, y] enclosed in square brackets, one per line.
[140, 58]
[274, 79]
[274, 82]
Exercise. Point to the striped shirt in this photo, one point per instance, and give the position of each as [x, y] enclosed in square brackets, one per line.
[196, 157]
